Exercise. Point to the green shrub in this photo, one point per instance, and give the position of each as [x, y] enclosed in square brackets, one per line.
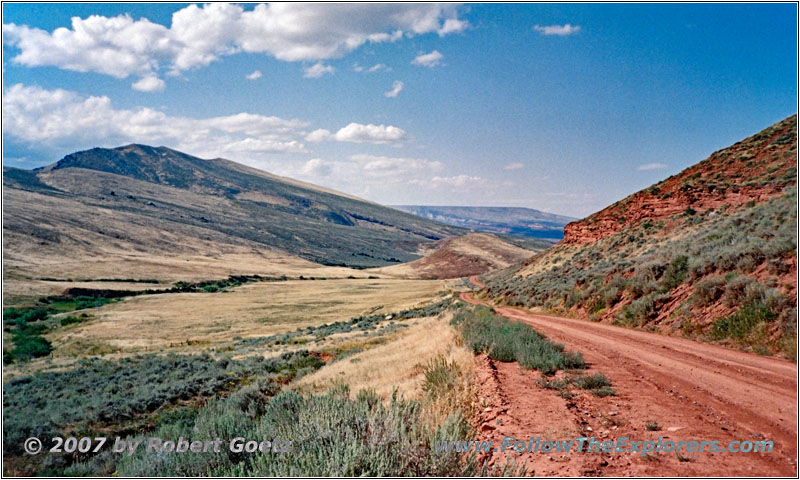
[31, 347]
[71, 320]
[332, 436]
[441, 377]
[507, 341]
[604, 392]
[675, 273]
[644, 309]
[739, 325]
[736, 290]
[708, 290]
[110, 393]
[591, 382]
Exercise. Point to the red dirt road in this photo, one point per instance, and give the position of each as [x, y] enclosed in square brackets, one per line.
[694, 391]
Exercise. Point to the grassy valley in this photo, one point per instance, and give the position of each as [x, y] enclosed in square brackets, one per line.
[151, 293]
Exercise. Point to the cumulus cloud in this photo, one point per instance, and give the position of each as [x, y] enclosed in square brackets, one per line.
[397, 87]
[317, 70]
[318, 135]
[254, 76]
[199, 35]
[63, 120]
[359, 133]
[429, 60]
[150, 83]
[514, 166]
[558, 30]
[316, 168]
[651, 166]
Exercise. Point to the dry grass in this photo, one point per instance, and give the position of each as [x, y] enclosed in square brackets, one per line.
[399, 363]
[21, 274]
[470, 254]
[192, 321]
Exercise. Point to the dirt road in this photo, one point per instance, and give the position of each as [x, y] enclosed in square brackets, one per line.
[693, 391]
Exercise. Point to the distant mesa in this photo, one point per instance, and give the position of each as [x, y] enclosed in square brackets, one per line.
[507, 220]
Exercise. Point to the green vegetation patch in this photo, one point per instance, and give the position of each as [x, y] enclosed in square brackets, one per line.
[368, 323]
[112, 394]
[332, 436]
[507, 341]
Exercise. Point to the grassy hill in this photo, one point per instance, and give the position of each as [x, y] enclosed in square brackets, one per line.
[507, 220]
[709, 253]
[139, 199]
[471, 254]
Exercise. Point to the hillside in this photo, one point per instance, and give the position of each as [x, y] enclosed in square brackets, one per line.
[709, 253]
[472, 254]
[143, 202]
[508, 220]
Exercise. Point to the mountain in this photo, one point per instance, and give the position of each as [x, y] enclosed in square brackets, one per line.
[509, 220]
[709, 253]
[142, 200]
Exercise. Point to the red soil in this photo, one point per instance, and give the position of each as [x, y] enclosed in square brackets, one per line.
[694, 391]
[722, 179]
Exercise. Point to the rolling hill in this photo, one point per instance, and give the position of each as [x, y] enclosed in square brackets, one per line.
[455, 257]
[508, 220]
[147, 202]
[709, 253]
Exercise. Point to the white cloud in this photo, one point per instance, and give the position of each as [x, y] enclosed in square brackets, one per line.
[318, 135]
[364, 174]
[359, 133]
[651, 166]
[514, 166]
[199, 35]
[254, 76]
[397, 87]
[558, 30]
[458, 181]
[378, 67]
[380, 166]
[317, 168]
[317, 70]
[453, 25]
[150, 83]
[429, 60]
[62, 120]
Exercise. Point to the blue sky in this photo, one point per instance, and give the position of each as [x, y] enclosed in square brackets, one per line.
[560, 107]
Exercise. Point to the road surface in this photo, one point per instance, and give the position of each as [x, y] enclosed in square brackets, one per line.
[695, 391]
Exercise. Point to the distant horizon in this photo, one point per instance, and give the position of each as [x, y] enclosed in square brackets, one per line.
[553, 107]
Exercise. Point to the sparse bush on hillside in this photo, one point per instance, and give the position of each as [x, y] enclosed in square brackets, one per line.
[647, 269]
[708, 290]
[742, 323]
[644, 309]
